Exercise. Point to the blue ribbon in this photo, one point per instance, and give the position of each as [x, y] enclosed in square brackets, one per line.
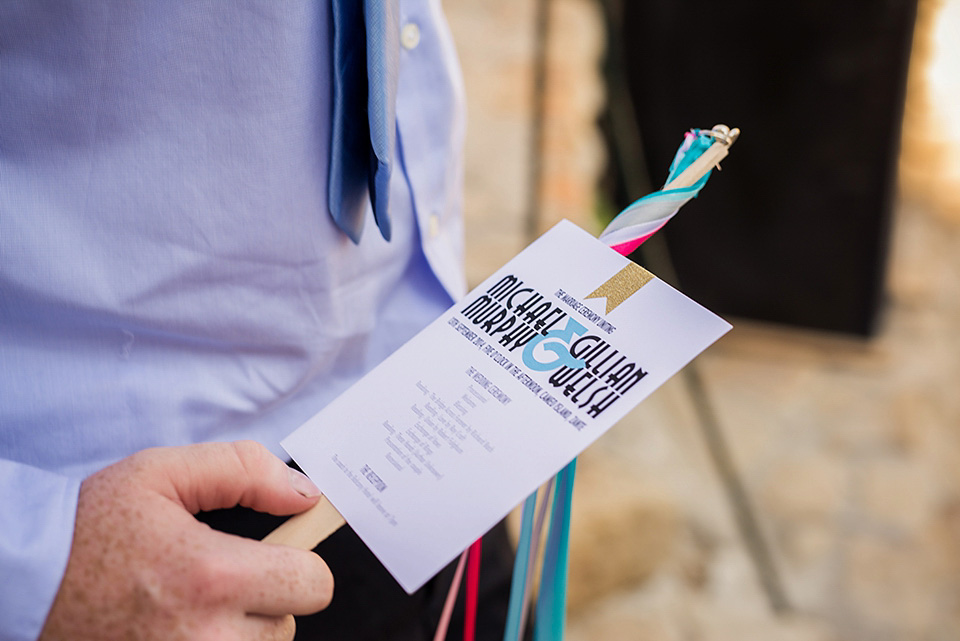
[552, 603]
[519, 581]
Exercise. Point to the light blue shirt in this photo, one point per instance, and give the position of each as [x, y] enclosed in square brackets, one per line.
[169, 272]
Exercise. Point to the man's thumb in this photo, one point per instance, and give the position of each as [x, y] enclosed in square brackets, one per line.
[211, 476]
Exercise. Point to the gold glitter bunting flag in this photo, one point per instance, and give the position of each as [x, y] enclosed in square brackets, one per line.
[622, 286]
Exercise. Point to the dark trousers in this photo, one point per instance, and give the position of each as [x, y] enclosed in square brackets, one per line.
[369, 605]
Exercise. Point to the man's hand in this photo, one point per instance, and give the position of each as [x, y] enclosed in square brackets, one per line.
[142, 567]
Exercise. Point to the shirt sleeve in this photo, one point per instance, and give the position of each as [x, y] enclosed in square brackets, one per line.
[37, 510]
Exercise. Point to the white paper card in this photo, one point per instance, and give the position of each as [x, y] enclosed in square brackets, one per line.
[439, 442]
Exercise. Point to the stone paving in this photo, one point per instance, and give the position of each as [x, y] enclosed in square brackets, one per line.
[848, 449]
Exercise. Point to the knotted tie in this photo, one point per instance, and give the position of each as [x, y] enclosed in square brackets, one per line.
[366, 51]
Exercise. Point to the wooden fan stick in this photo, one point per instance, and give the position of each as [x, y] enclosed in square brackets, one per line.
[307, 529]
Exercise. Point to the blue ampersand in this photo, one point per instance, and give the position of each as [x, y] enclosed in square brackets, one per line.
[557, 341]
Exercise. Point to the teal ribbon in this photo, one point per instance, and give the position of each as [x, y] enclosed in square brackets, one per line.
[687, 153]
[519, 581]
[552, 603]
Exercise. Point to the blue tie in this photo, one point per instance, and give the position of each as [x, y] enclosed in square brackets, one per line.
[366, 49]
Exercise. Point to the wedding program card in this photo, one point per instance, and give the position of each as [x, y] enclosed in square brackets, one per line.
[452, 431]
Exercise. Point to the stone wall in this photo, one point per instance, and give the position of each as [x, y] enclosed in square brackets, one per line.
[496, 40]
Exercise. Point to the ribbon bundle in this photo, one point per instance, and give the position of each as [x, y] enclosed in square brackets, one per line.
[692, 165]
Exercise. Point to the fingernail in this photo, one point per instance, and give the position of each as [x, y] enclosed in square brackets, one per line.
[302, 484]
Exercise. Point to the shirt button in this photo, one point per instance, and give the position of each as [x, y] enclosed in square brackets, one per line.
[433, 225]
[410, 35]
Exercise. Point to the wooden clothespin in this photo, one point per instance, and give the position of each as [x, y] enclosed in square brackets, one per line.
[723, 137]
